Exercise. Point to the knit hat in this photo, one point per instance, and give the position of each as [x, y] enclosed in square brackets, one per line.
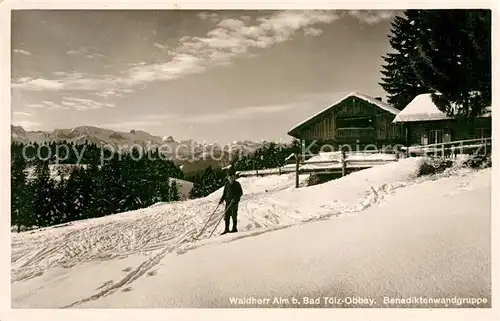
[231, 171]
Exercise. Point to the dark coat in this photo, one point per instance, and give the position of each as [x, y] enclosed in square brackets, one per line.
[232, 192]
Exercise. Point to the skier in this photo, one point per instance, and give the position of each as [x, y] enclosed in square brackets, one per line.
[231, 195]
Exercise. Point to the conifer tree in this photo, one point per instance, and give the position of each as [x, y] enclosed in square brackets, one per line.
[400, 80]
[457, 48]
[443, 52]
[43, 195]
[174, 192]
[20, 210]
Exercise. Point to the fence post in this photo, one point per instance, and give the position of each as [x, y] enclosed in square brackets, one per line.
[296, 170]
[343, 160]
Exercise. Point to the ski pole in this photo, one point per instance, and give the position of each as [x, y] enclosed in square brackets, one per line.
[222, 216]
[203, 229]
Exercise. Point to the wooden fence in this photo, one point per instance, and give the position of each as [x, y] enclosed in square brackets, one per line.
[349, 161]
[346, 162]
[470, 146]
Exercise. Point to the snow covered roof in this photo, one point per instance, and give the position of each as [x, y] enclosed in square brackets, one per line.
[422, 108]
[361, 96]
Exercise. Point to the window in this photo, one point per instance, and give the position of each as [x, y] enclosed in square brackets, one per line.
[482, 133]
[356, 122]
[436, 136]
[396, 130]
[447, 137]
[423, 139]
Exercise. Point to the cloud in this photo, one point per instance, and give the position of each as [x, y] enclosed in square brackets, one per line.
[212, 16]
[22, 52]
[26, 124]
[229, 39]
[82, 104]
[160, 46]
[142, 120]
[313, 32]
[87, 52]
[76, 103]
[69, 82]
[66, 80]
[38, 84]
[135, 64]
[372, 17]
[69, 75]
[233, 24]
[119, 92]
[22, 113]
[127, 125]
[238, 113]
[50, 105]
[36, 105]
[181, 64]
[259, 110]
[114, 92]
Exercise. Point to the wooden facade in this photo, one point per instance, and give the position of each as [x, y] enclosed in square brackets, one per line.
[448, 130]
[356, 120]
[425, 124]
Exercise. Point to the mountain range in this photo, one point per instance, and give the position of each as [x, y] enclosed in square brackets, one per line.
[189, 154]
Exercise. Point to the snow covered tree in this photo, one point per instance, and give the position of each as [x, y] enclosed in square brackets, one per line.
[444, 52]
[400, 80]
[99, 198]
[114, 185]
[137, 185]
[61, 200]
[174, 192]
[159, 181]
[20, 211]
[43, 195]
[457, 48]
[209, 182]
[125, 182]
[73, 207]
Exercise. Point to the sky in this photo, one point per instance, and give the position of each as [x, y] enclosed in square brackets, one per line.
[212, 76]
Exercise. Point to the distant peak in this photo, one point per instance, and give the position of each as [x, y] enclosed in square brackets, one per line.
[17, 128]
[168, 139]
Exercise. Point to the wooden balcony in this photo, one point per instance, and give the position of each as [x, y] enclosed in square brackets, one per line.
[355, 133]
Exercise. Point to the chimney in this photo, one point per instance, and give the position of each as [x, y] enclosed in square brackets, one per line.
[379, 98]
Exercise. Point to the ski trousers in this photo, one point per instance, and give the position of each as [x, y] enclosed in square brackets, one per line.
[231, 213]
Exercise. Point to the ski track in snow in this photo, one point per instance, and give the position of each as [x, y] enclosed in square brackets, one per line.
[269, 203]
[163, 226]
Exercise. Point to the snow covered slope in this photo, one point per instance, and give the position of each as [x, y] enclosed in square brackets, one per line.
[184, 187]
[414, 237]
